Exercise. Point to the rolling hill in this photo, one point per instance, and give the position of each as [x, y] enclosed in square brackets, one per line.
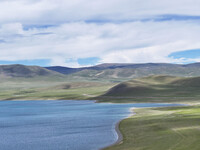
[26, 82]
[157, 88]
[20, 82]
[11, 71]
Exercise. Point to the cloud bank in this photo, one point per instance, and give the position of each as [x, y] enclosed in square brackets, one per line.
[115, 31]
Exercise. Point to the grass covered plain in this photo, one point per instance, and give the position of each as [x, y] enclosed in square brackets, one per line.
[173, 128]
[51, 88]
[156, 89]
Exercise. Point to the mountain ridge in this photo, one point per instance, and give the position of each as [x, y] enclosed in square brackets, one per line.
[118, 70]
[110, 71]
[18, 70]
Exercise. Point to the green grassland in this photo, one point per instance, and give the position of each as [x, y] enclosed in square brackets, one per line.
[159, 88]
[51, 88]
[173, 128]
[106, 83]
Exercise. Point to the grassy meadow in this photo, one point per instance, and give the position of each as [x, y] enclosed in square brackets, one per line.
[49, 88]
[147, 89]
[171, 128]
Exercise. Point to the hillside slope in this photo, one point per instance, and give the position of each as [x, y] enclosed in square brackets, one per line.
[158, 88]
[8, 71]
[122, 72]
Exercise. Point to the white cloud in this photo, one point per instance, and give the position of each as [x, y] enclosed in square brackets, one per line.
[60, 11]
[72, 37]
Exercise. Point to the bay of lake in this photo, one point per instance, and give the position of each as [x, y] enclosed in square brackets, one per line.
[61, 125]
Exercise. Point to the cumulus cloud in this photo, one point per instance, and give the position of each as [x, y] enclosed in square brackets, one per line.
[117, 31]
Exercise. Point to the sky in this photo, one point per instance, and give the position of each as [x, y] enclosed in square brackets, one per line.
[89, 32]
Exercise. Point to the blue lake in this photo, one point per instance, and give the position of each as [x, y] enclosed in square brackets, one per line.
[61, 125]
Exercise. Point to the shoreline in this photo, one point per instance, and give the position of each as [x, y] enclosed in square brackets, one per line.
[117, 130]
[97, 101]
[119, 136]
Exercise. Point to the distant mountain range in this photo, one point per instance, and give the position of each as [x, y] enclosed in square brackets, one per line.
[115, 70]
[103, 71]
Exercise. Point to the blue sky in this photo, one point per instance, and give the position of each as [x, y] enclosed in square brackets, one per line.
[88, 61]
[38, 62]
[187, 54]
[52, 33]
[46, 62]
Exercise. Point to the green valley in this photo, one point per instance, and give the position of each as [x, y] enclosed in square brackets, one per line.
[175, 128]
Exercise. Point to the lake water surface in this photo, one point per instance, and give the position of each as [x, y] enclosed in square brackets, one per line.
[61, 125]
